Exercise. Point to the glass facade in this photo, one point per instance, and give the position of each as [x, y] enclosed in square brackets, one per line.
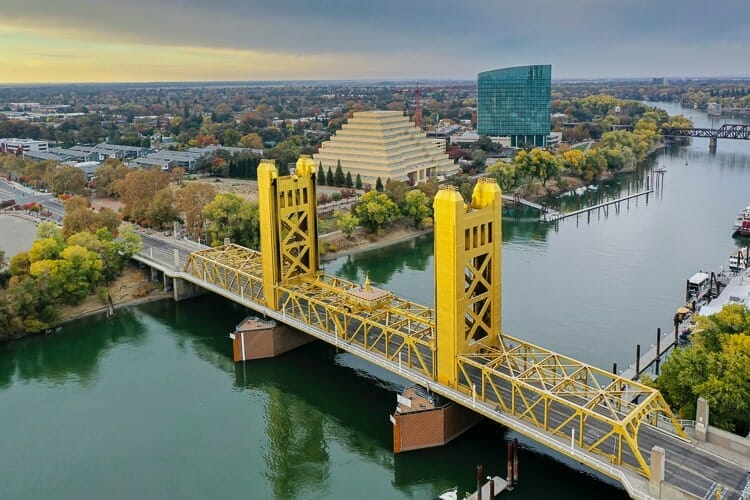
[515, 102]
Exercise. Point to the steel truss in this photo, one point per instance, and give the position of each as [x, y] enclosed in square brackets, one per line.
[727, 131]
[600, 412]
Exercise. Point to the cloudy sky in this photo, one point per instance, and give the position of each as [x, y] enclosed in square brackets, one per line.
[171, 40]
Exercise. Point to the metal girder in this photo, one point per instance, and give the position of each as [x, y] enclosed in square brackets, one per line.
[727, 131]
[565, 397]
[232, 267]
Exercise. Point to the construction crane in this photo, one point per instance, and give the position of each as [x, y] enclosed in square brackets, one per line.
[417, 102]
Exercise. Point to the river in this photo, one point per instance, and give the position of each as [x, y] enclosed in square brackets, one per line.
[151, 405]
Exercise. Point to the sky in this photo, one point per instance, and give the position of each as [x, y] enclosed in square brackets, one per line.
[217, 40]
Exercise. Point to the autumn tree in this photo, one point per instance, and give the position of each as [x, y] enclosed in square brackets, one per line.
[161, 210]
[138, 189]
[504, 173]
[191, 200]
[107, 175]
[70, 180]
[79, 217]
[252, 140]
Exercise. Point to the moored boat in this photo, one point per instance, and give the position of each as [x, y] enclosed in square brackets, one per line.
[742, 217]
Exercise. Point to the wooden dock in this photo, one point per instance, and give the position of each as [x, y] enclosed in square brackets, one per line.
[553, 216]
[548, 214]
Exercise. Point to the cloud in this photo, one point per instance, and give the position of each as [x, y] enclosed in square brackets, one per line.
[416, 38]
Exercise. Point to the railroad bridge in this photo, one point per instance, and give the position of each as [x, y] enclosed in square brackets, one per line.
[726, 131]
[458, 350]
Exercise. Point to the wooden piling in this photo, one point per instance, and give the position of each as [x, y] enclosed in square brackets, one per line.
[510, 466]
[479, 481]
[637, 361]
[515, 461]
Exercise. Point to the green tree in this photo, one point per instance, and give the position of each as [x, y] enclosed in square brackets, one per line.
[503, 173]
[716, 366]
[379, 185]
[161, 209]
[358, 182]
[374, 210]
[233, 217]
[348, 181]
[417, 206]
[338, 178]
[347, 222]
[321, 177]
[329, 177]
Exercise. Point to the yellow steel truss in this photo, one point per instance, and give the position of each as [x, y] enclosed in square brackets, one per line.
[600, 411]
[231, 267]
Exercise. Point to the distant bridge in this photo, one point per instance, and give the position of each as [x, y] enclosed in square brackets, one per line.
[726, 131]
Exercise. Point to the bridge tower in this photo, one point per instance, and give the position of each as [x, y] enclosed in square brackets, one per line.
[288, 225]
[468, 242]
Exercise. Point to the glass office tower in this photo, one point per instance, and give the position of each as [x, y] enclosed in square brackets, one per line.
[515, 102]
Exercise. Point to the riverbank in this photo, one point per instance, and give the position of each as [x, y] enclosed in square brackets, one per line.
[336, 244]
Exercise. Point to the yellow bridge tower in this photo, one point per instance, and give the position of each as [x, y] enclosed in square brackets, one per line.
[288, 225]
[468, 242]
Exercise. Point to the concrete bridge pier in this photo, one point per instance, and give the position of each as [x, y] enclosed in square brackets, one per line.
[424, 420]
[182, 289]
[256, 338]
[712, 145]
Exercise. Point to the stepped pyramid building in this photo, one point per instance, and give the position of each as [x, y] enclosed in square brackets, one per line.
[384, 144]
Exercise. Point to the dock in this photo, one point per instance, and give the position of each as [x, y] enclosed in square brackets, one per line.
[490, 491]
[548, 214]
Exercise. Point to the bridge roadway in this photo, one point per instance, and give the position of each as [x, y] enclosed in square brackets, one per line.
[405, 346]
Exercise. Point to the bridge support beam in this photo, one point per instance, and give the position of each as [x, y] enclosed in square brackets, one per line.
[257, 339]
[712, 144]
[467, 275]
[182, 290]
[424, 420]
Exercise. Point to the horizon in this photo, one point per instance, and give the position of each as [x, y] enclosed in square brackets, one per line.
[159, 41]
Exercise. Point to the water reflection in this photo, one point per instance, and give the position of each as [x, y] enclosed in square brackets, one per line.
[61, 358]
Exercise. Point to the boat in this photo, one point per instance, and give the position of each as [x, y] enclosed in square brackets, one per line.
[742, 216]
[739, 260]
[660, 170]
[449, 494]
[744, 229]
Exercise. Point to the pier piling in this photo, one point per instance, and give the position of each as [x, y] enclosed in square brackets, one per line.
[637, 361]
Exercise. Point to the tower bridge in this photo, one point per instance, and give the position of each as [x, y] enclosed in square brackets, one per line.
[458, 350]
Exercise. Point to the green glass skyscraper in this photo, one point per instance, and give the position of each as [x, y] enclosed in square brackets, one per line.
[515, 102]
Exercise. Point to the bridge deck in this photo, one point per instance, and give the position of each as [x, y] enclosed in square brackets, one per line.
[571, 407]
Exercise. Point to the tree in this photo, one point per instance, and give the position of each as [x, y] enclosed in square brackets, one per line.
[338, 178]
[716, 366]
[107, 175]
[347, 222]
[229, 216]
[329, 177]
[138, 189]
[191, 200]
[321, 177]
[284, 153]
[161, 209]
[358, 182]
[479, 158]
[379, 185]
[348, 181]
[417, 206]
[503, 173]
[69, 180]
[375, 210]
[252, 140]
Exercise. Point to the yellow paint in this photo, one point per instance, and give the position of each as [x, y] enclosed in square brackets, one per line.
[269, 239]
[468, 282]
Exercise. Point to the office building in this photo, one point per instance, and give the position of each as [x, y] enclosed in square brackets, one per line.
[515, 102]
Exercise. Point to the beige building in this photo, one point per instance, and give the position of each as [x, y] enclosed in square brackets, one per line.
[384, 144]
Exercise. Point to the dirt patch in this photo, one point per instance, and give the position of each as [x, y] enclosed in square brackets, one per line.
[131, 287]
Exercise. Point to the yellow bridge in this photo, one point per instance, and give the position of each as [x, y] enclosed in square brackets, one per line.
[459, 349]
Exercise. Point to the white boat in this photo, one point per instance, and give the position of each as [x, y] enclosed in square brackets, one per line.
[742, 216]
[660, 170]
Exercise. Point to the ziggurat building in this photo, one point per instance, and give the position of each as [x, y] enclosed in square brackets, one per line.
[384, 144]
